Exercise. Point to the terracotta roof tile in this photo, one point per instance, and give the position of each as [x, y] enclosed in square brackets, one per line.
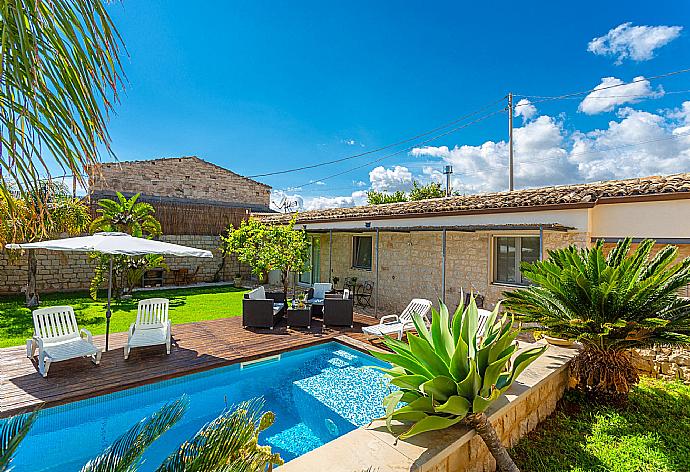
[562, 195]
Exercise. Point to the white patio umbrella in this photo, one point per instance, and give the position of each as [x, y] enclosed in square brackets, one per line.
[114, 244]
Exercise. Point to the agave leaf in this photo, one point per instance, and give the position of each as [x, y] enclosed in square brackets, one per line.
[455, 405]
[440, 333]
[409, 396]
[410, 382]
[494, 369]
[410, 365]
[470, 325]
[521, 362]
[480, 403]
[420, 326]
[426, 356]
[408, 416]
[430, 423]
[439, 388]
[424, 404]
[390, 403]
[470, 385]
[457, 320]
[460, 363]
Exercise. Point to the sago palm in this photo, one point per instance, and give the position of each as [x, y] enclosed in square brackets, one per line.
[61, 74]
[126, 215]
[610, 304]
[453, 373]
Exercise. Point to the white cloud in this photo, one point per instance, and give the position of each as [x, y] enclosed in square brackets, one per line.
[280, 200]
[614, 93]
[301, 203]
[525, 109]
[390, 180]
[633, 42]
[635, 144]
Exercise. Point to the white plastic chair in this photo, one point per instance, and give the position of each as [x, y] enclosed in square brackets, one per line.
[152, 326]
[394, 324]
[58, 338]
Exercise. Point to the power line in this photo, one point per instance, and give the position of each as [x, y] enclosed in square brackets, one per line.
[593, 151]
[383, 148]
[597, 89]
[387, 156]
[612, 96]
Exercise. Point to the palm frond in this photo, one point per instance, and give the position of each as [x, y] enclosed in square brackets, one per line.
[12, 432]
[228, 443]
[124, 454]
[61, 75]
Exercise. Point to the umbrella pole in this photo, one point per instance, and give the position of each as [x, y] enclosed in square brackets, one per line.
[107, 311]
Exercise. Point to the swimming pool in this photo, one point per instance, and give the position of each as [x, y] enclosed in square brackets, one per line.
[317, 393]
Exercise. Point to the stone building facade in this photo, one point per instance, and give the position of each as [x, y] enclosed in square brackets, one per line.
[64, 271]
[410, 264]
[179, 179]
[194, 201]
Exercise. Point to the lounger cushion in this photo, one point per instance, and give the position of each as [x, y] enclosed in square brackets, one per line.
[383, 329]
[315, 301]
[148, 337]
[76, 347]
[277, 307]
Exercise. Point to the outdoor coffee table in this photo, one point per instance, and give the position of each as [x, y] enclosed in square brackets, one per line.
[299, 317]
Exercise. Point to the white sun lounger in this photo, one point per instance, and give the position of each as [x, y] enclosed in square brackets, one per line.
[396, 325]
[58, 338]
[152, 326]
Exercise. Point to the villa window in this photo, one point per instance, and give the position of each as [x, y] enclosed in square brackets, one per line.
[509, 252]
[361, 252]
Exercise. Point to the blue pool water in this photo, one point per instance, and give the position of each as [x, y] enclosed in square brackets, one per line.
[317, 394]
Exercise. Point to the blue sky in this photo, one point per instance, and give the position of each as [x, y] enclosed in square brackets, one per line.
[264, 86]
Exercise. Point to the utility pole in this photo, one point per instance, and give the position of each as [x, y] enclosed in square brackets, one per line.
[510, 141]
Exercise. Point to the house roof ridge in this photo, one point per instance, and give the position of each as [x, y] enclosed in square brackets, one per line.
[566, 196]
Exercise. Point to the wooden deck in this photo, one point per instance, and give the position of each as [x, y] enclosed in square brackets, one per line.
[196, 347]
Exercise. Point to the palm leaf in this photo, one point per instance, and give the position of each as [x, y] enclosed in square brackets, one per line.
[125, 453]
[12, 432]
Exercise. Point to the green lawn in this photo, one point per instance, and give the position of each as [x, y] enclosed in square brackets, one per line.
[186, 305]
[651, 434]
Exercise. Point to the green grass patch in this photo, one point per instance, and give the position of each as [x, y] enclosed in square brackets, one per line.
[650, 434]
[186, 305]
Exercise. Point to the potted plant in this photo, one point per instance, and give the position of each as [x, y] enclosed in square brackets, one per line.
[335, 281]
[237, 280]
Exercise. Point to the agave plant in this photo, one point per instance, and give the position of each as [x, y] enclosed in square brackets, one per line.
[453, 373]
[610, 304]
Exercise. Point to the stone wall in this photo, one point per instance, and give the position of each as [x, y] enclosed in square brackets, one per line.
[62, 271]
[663, 362]
[527, 402]
[410, 264]
[184, 178]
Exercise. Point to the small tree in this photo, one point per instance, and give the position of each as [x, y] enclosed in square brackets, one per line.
[288, 251]
[248, 243]
[46, 212]
[265, 248]
[452, 374]
[379, 198]
[424, 192]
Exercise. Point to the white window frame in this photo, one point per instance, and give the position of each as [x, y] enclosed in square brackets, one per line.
[518, 251]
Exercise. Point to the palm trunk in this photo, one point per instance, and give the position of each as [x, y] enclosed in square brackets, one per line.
[31, 292]
[481, 424]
